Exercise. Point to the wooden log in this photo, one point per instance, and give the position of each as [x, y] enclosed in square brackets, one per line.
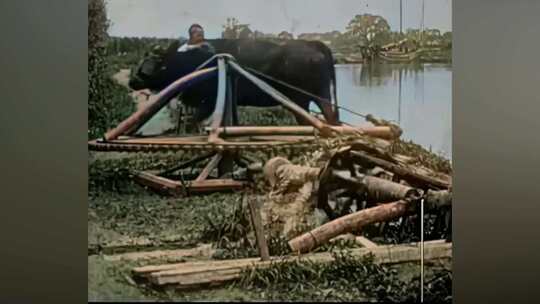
[379, 132]
[158, 183]
[322, 127]
[413, 178]
[259, 231]
[382, 190]
[377, 189]
[354, 221]
[201, 251]
[158, 101]
[365, 242]
[196, 273]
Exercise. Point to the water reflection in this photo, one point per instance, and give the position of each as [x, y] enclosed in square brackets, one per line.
[380, 74]
[416, 96]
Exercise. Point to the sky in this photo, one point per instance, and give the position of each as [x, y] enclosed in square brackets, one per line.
[172, 18]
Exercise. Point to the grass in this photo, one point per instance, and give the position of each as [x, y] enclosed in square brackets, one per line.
[345, 279]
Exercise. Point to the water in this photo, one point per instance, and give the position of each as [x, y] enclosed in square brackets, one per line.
[416, 97]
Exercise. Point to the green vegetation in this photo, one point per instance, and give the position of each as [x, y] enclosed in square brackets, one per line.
[108, 102]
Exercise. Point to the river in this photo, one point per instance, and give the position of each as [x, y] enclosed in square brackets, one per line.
[418, 97]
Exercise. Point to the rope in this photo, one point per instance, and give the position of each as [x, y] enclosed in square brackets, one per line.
[282, 83]
[303, 91]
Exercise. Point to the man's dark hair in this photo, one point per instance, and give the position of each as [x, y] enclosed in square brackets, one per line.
[194, 26]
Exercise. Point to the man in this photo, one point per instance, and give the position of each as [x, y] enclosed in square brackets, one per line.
[196, 40]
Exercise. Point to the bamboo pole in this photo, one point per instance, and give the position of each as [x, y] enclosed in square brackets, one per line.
[384, 132]
[142, 115]
[354, 221]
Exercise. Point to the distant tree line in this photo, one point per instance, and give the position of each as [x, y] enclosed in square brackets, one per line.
[365, 34]
[122, 45]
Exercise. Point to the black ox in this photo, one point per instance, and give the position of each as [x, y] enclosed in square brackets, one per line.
[308, 65]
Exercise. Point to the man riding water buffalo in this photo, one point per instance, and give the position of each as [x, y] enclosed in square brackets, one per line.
[307, 65]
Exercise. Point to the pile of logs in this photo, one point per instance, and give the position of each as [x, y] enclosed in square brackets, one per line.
[349, 173]
[196, 274]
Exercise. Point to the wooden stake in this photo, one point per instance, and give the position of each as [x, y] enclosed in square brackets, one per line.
[259, 230]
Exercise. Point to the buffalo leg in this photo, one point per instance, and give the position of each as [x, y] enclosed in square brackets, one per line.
[328, 112]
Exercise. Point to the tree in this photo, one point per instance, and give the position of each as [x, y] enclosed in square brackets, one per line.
[370, 32]
[230, 28]
[447, 39]
[285, 35]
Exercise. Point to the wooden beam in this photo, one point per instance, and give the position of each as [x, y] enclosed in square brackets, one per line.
[141, 116]
[208, 272]
[209, 167]
[213, 185]
[176, 188]
[384, 132]
[181, 141]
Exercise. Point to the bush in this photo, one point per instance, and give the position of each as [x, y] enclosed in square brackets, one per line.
[108, 102]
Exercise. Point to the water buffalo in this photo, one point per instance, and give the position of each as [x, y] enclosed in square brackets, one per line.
[308, 65]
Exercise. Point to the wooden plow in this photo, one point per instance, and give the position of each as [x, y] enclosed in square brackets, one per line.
[224, 140]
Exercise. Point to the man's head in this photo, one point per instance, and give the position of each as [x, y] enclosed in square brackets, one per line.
[196, 33]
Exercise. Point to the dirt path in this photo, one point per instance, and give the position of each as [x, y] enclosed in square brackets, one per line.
[140, 97]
